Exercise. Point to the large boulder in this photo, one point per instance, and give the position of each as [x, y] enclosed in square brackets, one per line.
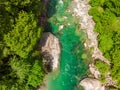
[92, 84]
[50, 48]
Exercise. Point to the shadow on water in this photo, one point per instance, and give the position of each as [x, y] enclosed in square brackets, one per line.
[48, 11]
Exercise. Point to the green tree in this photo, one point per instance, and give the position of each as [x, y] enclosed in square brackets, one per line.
[19, 33]
[107, 25]
[36, 73]
[20, 68]
[14, 6]
[24, 36]
[103, 68]
[107, 18]
[106, 43]
[96, 2]
[113, 5]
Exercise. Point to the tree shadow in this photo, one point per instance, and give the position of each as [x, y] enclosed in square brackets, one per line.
[48, 11]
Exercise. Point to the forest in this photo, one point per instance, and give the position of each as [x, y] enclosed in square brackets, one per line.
[20, 59]
[106, 14]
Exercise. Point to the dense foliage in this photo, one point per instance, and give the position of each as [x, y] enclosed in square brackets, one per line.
[103, 68]
[20, 64]
[106, 14]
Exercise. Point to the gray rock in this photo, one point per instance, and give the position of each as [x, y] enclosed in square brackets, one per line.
[94, 71]
[50, 48]
[92, 84]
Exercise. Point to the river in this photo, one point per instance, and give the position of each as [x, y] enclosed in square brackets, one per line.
[74, 58]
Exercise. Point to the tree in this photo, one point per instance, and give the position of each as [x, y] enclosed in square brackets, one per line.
[103, 68]
[36, 73]
[95, 12]
[6, 22]
[19, 33]
[113, 5]
[107, 25]
[107, 18]
[20, 68]
[106, 43]
[14, 6]
[24, 36]
[96, 2]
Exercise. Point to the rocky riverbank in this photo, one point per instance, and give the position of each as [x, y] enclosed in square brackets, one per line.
[80, 10]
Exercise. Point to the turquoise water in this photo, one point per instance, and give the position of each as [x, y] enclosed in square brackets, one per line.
[73, 59]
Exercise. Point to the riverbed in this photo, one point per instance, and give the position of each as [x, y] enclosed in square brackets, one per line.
[74, 59]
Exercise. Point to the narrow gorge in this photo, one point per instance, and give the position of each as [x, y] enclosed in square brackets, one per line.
[73, 26]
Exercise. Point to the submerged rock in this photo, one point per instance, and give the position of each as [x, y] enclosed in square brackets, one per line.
[50, 48]
[92, 84]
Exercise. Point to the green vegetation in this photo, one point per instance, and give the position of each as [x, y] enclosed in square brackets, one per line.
[106, 14]
[103, 68]
[20, 61]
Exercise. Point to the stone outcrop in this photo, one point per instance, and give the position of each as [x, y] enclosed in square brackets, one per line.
[94, 71]
[92, 84]
[109, 81]
[50, 49]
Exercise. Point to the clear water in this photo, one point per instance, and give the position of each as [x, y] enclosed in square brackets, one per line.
[72, 66]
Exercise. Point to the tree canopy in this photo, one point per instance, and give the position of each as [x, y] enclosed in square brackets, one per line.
[107, 25]
[19, 53]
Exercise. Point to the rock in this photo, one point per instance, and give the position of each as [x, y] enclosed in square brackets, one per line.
[50, 49]
[92, 84]
[94, 71]
[110, 82]
[41, 87]
[61, 27]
